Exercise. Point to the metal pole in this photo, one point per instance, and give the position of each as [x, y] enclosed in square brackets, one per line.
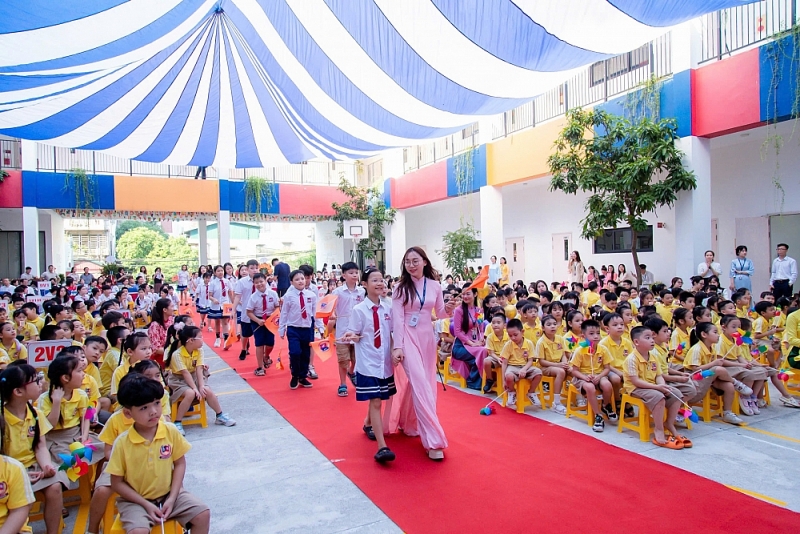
[55, 166]
[94, 165]
[719, 34]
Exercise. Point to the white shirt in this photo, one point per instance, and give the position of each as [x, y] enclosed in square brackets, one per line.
[183, 278]
[346, 300]
[7, 289]
[218, 289]
[243, 288]
[784, 269]
[255, 304]
[702, 267]
[203, 292]
[47, 275]
[26, 276]
[371, 360]
[292, 314]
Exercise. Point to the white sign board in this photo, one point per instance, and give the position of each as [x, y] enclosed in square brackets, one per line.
[44, 287]
[36, 299]
[42, 353]
[3, 305]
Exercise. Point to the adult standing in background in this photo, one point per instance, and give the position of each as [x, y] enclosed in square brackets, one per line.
[158, 280]
[504, 276]
[784, 273]
[742, 270]
[709, 267]
[26, 275]
[281, 271]
[648, 278]
[494, 270]
[577, 273]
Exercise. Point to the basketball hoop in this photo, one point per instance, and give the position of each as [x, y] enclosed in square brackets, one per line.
[356, 230]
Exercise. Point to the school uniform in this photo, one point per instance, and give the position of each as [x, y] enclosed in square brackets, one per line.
[16, 351]
[203, 301]
[550, 351]
[374, 367]
[110, 363]
[244, 288]
[297, 324]
[182, 360]
[114, 427]
[699, 355]
[15, 489]
[183, 280]
[494, 346]
[517, 357]
[262, 305]
[589, 363]
[68, 429]
[218, 289]
[661, 354]
[648, 370]
[346, 300]
[729, 351]
[617, 353]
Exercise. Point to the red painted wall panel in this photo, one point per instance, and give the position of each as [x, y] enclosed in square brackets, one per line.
[726, 96]
[11, 190]
[308, 199]
[421, 187]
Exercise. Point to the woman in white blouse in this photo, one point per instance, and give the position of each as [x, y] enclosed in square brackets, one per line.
[709, 267]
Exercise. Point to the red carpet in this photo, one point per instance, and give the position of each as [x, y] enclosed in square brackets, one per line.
[507, 472]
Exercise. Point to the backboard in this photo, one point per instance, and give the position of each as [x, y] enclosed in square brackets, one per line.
[356, 228]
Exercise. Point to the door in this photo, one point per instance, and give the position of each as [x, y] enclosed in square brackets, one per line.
[753, 232]
[562, 245]
[10, 254]
[784, 229]
[515, 257]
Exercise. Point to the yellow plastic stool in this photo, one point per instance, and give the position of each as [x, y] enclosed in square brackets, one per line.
[195, 415]
[547, 396]
[642, 420]
[450, 375]
[573, 410]
[712, 406]
[499, 384]
[521, 388]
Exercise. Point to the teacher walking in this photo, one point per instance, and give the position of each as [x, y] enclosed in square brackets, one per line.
[415, 296]
[742, 270]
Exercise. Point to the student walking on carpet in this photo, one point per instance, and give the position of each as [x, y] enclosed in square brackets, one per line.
[413, 409]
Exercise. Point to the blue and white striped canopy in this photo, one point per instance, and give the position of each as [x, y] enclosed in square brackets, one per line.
[257, 83]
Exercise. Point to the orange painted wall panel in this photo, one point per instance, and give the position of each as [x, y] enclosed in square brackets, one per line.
[139, 193]
[298, 199]
[522, 156]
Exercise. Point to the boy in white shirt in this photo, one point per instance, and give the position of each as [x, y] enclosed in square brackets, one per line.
[297, 324]
[259, 307]
[241, 296]
[347, 297]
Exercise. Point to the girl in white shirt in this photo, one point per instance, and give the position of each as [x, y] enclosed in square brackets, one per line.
[218, 290]
[183, 283]
[203, 300]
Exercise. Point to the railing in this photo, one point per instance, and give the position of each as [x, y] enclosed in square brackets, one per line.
[415, 157]
[310, 172]
[10, 154]
[599, 82]
[732, 29]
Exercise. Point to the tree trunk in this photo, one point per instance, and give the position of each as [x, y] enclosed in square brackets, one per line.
[635, 255]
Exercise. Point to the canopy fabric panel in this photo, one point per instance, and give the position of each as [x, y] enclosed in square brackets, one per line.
[258, 83]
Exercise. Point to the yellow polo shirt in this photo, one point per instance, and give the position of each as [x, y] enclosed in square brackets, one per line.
[114, 427]
[698, 355]
[678, 337]
[616, 353]
[511, 311]
[551, 351]
[107, 368]
[590, 364]
[590, 298]
[761, 326]
[72, 410]
[4, 359]
[665, 312]
[494, 344]
[147, 465]
[531, 333]
[17, 351]
[644, 369]
[93, 371]
[87, 321]
[122, 370]
[19, 435]
[29, 332]
[38, 323]
[183, 361]
[518, 355]
[89, 385]
[15, 489]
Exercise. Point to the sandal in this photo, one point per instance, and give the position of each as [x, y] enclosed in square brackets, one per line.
[687, 443]
[368, 431]
[342, 391]
[384, 455]
[671, 443]
[437, 455]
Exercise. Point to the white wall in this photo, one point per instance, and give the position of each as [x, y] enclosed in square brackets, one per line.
[53, 227]
[534, 213]
[330, 247]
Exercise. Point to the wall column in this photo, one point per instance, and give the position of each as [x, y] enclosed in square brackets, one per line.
[395, 243]
[30, 239]
[58, 240]
[224, 236]
[693, 209]
[202, 234]
[491, 222]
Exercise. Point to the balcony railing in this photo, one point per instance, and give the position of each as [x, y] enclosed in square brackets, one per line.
[415, 157]
[309, 173]
[732, 29]
[599, 82]
[10, 155]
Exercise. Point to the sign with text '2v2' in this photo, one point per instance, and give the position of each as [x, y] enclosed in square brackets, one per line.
[42, 353]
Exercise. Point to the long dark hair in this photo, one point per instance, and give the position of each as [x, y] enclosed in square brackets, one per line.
[405, 287]
[157, 314]
[13, 377]
[184, 334]
[465, 308]
[172, 332]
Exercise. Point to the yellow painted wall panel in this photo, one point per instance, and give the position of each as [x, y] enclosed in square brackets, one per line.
[522, 156]
[140, 193]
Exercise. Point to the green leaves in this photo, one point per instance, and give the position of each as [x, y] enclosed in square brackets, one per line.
[256, 191]
[363, 203]
[143, 246]
[460, 246]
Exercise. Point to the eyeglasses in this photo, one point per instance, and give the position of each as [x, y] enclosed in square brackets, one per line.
[37, 381]
[412, 262]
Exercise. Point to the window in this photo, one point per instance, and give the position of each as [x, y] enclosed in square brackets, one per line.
[619, 240]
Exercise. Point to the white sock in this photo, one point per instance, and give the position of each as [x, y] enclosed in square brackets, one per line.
[557, 398]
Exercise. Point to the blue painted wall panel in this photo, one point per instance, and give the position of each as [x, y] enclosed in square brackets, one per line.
[387, 192]
[478, 171]
[46, 190]
[778, 85]
[235, 200]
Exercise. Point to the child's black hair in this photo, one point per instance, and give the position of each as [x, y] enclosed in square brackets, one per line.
[698, 312]
[133, 341]
[111, 317]
[684, 296]
[64, 366]
[96, 339]
[143, 365]
[679, 315]
[655, 324]
[514, 323]
[589, 323]
[183, 335]
[529, 306]
[366, 273]
[48, 332]
[13, 377]
[72, 350]
[607, 318]
[137, 390]
[638, 331]
[725, 320]
[763, 306]
[115, 334]
[610, 297]
[702, 328]
[745, 323]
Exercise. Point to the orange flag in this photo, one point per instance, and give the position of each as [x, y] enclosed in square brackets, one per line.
[323, 348]
[272, 321]
[326, 306]
[481, 279]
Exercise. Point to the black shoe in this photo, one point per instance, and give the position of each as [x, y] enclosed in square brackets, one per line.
[384, 455]
[294, 382]
[305, 383]
[368, 431]
[611, 414]
[487, 388]
[243, 355]
[599, 425]
[629, 411]
[268, 363]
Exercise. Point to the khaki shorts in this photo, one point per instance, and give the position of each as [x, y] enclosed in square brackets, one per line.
[496, 362]
[58, 441]
[687, 389]
[579, 385]
[59, 477]
[186, 508]
[103, 480]
[530, 374]
[550, 371]
[178, 386]
[742, 374]
[701, 388]
[652, 397]
[345, 353]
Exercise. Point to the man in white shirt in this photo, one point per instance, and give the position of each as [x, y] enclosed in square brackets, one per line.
[50, 274]
[26, 275]
[647, 277]
[784, 273]
[241, 296]
[6, 286]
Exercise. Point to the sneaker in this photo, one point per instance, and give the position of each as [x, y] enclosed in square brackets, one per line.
[295, 381]
[259, 372]
[730, 417]
[762, 403]
[342, 392]
[546, 387]
[224, 419]
[305, 383]
[487, 388]
[559, 409]
[744, 406]
[534, 398]
[754, 406]
[679, 419]
[210, 329]
[611, 414]
[179, 426]
[791, 402]
[268, 362]
[599, 425]
[312, 373]
[742, 388]
[217, 343]
[581, 402]
[512, 400]
[243, 355]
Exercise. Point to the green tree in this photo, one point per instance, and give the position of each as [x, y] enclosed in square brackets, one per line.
[136, 244]
[629, 168]
[143, 246]
[458, 247]
[126, 226]
[363, 203]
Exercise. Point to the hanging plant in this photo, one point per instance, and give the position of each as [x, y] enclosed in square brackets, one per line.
[256, 191]
[3, 176]
[85, 188]
[645, 102]
[463, 165]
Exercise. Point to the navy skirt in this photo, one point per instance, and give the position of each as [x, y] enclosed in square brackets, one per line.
[370, 387]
